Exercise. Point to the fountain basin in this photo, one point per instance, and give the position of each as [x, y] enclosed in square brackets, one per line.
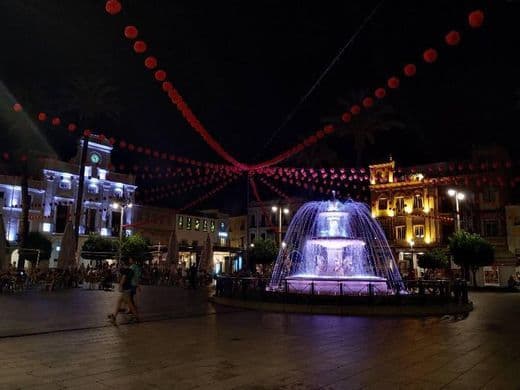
[337, 285]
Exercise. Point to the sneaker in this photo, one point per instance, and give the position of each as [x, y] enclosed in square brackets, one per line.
[133, 320]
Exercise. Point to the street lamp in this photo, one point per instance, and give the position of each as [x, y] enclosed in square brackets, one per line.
[280, 210]
[412, 243]
[116, 206]
[458, 197]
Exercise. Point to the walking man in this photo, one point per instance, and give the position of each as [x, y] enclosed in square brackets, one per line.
[136, 276]
[125, 288]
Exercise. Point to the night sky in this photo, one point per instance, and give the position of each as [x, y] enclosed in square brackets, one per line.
[243, 66]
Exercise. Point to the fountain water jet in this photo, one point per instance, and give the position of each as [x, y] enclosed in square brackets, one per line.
[335, 248]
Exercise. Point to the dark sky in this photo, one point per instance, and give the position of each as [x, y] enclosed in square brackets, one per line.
[243, 66]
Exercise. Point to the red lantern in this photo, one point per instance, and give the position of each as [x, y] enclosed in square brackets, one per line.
[452, 38]
[5, 156]
[112, 140]
[102, 137]
[113, 7]
[368, 102]
[87, 133]
[329, 129]
[393, 82]
[167, 86]
[56, 121]
[380, 93]
[355, 109]
[131, 147]
[160, 75]
[346, 117]
[131, 32]
[139, 47]
[23, 157]
[17, 107]
[430, 55]
[122, 144]
[139, 149]
[476, 19]
[313, 139]
[147, 151]
[150, 62]
[320, 134]
[410, 70]
[42, 116]
[72, 127]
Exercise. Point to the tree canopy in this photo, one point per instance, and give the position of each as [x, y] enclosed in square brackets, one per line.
[99, 248]
[137, 247]
[434, 259]
[470, 251]
[263, 252]
[37, 242]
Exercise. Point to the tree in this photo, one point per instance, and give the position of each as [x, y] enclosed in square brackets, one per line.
[470, 252]
[434, 259]
[36, 241]
[263, 252]
[99, 248]
[137, 247]
[362, 129]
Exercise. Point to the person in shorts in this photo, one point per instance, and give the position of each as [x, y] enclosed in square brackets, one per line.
[136, 276]
[125, 298]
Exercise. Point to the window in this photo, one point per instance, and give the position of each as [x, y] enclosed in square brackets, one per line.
[418, 202]
[90, 220]
[399, 204]
[418, 231]
[118, 192]
[1, 195]
[489, 195]
[64, 185]
[253, 236]
[197, 224]
[46, 227]
[188, 223]
[263, 236]
[490, 228]
[400, 232]
[205, 225]
[62, 216]
[180, 221]
[93, 189]
[383, 204]
[116, 223]
[253, 221]
[212, 226]
[262, 220]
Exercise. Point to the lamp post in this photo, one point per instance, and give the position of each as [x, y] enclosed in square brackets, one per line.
[280, 210]
[458, 197]
[412, 243]
[116, 206]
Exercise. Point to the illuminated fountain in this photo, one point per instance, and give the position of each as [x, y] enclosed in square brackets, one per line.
[334, 248]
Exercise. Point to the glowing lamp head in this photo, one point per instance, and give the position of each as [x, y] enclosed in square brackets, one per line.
[115, 205]
[408, 209]
[460, 196]
[451, 192]
[284, 244]
[411, 242]
[274, 209]
[286, 211]
[130, 205]
[252, 245]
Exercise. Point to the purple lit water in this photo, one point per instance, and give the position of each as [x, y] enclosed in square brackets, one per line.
[331, 243]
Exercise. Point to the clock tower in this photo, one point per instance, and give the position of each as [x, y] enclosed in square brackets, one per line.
[98, 154]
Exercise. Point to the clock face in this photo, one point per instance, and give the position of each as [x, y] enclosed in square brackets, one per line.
[95, 158]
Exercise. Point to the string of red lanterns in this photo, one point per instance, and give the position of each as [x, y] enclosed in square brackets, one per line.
[430, 55]
[275, 189]
[208, 194]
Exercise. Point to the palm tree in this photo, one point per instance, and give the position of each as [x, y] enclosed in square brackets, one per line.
[362, 129]
[92, 98]
[23, 139]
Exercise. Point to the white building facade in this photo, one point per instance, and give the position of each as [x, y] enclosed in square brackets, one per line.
[53, 195]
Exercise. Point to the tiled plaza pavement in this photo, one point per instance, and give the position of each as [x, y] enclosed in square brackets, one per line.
[251, 350]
